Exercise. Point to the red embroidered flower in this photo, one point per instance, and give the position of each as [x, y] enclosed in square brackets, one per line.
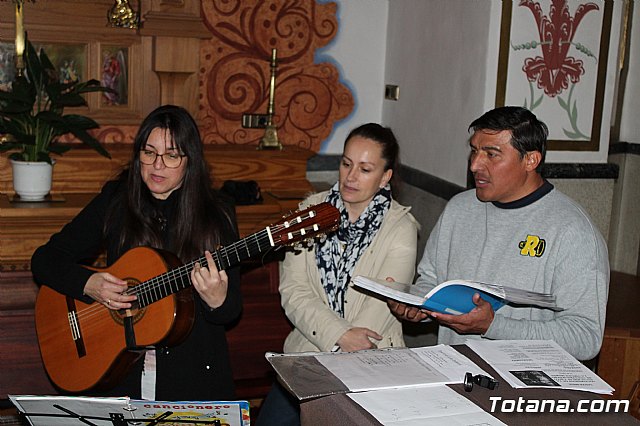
[555, 69]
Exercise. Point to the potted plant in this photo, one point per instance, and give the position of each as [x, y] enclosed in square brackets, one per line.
[32, 120]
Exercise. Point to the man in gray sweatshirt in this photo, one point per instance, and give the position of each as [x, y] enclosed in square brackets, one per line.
[517, 230]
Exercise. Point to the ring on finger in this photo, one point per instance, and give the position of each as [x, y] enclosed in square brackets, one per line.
[109, 302]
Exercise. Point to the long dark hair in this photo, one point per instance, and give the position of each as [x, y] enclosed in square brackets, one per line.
[199, 220]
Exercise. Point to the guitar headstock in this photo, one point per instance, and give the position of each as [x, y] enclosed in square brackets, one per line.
[308, 223]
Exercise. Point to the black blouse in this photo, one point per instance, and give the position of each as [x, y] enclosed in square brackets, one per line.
[196, 369]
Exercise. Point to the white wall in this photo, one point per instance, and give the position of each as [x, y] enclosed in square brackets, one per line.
[437, 54]
[630, 122]
[443, 55]
[358, 50]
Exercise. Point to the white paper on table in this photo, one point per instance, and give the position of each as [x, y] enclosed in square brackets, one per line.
[538, 363]
[449, 362]
[422, 406]
[393, 368]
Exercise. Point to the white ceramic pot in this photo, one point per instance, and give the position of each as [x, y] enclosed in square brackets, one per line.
[31, 180]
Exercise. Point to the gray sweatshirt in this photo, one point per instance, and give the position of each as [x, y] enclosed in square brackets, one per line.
[545, 243]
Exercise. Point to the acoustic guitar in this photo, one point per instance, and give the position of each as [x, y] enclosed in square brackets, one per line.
[87, 346]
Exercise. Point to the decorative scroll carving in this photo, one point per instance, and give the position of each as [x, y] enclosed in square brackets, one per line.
[107, 134]
[235, 71]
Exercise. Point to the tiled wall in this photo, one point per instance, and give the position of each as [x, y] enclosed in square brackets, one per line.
[624, 236]
[594, 195]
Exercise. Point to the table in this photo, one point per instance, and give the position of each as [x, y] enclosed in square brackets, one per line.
[339, 409]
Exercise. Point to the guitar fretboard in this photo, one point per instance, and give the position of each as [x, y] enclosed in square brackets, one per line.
[179, 278]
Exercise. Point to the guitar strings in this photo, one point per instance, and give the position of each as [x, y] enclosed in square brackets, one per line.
[155, 284]
[150, 286]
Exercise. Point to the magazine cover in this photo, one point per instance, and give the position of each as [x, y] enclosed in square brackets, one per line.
[42, 410]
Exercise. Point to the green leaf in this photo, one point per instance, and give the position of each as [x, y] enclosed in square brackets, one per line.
[90, 140]
[70, 99]
[32, 111]
[33, 67]
[537, 102]
[571, 135]
[7, 146]
[562, 103]
[80, 121]
[20, 137]
[56, 148]
[574, 113]
[18, 156]
[47, 66]
[20, 100]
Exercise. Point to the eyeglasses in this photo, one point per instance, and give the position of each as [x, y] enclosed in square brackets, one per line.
[170, 159]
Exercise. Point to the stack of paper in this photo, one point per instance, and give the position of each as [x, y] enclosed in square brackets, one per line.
[538, 363]
[310, 375]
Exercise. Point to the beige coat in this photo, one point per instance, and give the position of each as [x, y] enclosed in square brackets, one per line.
[392, 253]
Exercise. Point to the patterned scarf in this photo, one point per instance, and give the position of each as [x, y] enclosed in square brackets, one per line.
[337, 255]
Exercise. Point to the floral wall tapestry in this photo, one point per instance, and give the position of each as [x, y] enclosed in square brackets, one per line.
[235, 74]
[553, 58]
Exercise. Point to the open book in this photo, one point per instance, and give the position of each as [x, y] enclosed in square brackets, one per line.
[455, 297]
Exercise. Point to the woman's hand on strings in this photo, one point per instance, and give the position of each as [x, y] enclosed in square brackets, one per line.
[109, 290]
[210, 283]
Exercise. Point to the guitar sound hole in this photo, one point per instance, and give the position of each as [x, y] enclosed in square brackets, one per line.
[136, 313]
[118, 316]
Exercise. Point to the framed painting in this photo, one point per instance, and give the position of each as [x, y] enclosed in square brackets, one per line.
[7, 65]
[114, 74]
[70, 60]
[553, 61]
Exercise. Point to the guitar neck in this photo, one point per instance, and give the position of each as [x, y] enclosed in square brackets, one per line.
[179, 278]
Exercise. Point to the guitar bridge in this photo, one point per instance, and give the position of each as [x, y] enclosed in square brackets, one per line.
[74, 326]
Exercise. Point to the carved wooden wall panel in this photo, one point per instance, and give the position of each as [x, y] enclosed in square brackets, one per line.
[231, 42]
[309, 98]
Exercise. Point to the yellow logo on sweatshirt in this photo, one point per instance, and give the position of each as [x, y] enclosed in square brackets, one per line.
[533, 246]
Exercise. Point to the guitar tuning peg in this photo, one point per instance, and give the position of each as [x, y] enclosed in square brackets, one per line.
[287, 214]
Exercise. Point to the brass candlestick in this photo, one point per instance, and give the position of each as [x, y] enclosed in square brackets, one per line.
[270, 138]
[20, 37]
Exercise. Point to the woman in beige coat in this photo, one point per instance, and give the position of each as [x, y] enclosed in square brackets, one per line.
[377, 237]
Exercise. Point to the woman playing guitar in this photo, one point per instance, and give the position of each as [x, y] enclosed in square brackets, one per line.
[162, 200]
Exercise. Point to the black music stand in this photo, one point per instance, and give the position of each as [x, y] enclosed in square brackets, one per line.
[88, 411]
